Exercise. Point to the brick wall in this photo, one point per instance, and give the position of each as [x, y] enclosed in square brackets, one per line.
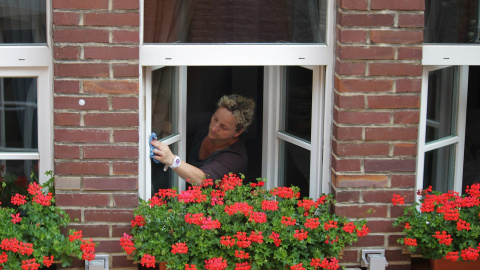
[376, 113]
[96, 51]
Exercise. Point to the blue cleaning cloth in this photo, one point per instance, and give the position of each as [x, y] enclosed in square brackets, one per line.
[153, 136]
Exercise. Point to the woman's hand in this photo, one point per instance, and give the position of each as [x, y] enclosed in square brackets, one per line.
[162, 153]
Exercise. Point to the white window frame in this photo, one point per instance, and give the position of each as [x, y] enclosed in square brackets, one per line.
[34, 61]
[320, 57]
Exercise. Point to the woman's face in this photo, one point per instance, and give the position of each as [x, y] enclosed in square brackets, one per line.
[223, 125]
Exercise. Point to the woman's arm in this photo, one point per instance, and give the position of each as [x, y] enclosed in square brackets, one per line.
[186, 171]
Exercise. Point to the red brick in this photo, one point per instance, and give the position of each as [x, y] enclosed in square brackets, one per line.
[404, 149]
[125, 70]
[82, 70]
[349, 256]
[67, 52]
[110, 184]
[414, 53]
[121, 261]
[360, 211]
[125, 103]
[125, 135]
[365, 52]
[67, 151]
[396, 36]
[350, 102]
[81, 168]
[364, 85]
[351, 36]
[404, 180]
[385, 196]
[408, 85]
[71, 103]
[360, 149]
[111, 87]
[119, 230]
[391, 133]
[125, 168]
[353, 117]
[395, 69]
[389, 165]
[111, 19]
[347, 133]
[349, 68]
[66, 119]
[370, 241]
[111, 119]
[396, 211]
[84, 4]
[393, 102]
[354, 4]
[108, 246]
[397, 255]
[383, 226]
[81, 135]
[111, 53]
[110, 215]
[406, 117]
[125, 200]
[73, 213]
[411, 20]
[356, 181]
[95, 230]
[110, 152]
[346, 165]
[80, 35]
[125, 36]
[125, 4]
[76, 199]
[349, 19]
[66, 86]
[398, 4]
[66, 18]
[347, 196]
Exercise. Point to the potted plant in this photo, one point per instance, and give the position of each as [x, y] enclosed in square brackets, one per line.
[31, 235]
[442, 226]
[225, 224]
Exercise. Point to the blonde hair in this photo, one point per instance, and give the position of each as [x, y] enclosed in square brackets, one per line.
[241, 107]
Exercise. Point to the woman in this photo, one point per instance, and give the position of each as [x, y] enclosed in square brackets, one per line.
[217, 150]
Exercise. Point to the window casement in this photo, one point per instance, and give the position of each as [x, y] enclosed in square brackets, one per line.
[291, 131]
[448, 144]
[26, 101]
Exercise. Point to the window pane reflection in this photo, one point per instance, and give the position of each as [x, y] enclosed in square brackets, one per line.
[442, 100]
[163, 179]
[297, 102]
[18, 115]
[452, 21]
[16, 175]
[235, 21]
[23, 21]
[294, 168]
[439, 169]
[164, 109]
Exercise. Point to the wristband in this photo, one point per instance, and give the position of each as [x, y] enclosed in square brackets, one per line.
[176, 162]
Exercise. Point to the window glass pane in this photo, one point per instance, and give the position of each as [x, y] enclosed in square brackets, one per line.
[294, 168]
[23, 21]
[296, 106]
[18, 115]
[442, 100]
[235, 21]
[163, 179]
[16, 174]
[164, 109]
[451, 21]
[439, 169]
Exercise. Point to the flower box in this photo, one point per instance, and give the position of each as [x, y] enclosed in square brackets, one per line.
[443, 264]
[224, 224]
